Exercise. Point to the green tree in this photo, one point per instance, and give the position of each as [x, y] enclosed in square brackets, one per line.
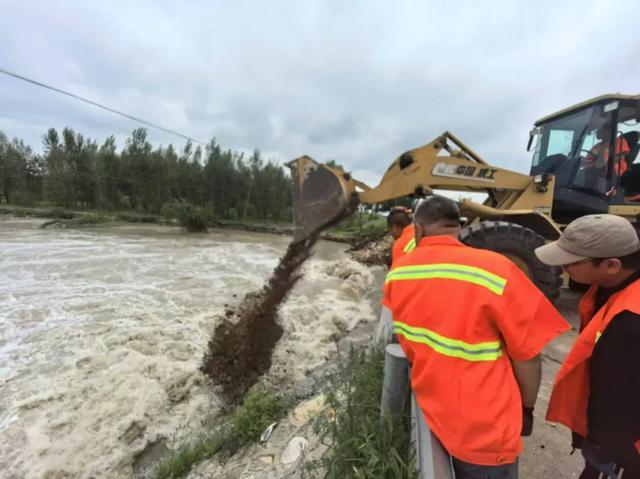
[13, 157]
[221, 180]
[79, 155]
[75, 172]
[34, 175]
[58, 178]
[332, 163]
[136, 159]
[108, 175]
[5, 169]
[25, 168]
[255, 183]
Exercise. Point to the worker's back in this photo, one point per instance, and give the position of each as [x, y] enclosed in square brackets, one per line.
[459, 314]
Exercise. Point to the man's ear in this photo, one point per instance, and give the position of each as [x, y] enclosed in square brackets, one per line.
[612, 265]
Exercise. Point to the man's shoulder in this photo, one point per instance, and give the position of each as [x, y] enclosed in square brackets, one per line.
[627, 322]
[621, 336]
[492, 259]
[467, 255]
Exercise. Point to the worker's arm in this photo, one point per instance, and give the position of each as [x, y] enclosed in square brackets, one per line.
[527, 322]
[528, 375]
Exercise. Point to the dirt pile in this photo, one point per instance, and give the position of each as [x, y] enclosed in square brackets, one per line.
[241, 348]
[372, 253]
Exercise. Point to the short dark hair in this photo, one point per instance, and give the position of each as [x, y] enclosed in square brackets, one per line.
[630, 261]
[438, 209]
[398, 218]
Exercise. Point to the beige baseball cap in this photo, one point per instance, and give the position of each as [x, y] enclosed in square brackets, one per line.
[592, 236]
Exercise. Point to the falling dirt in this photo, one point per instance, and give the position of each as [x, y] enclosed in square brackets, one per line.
[241, 347]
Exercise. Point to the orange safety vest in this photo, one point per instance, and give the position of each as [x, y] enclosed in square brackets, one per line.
[406, 243]
[622, 150]
[460, 315]
[570, 395]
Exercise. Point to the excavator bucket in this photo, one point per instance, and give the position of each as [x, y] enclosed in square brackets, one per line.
[321, 195]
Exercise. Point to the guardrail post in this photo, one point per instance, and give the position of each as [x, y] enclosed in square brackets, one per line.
[384, 331]
[432, 460]
[395, 386]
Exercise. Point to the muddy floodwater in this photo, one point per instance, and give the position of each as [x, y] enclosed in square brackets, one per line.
[102, 332]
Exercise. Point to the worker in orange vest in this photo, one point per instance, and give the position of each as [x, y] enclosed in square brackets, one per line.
[598, 156]
[472, 325]
[401, 229]
[597, 391]
[403, 233]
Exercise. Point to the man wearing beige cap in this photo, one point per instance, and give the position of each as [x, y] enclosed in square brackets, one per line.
[597, 391]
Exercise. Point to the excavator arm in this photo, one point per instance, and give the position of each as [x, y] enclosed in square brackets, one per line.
[321, 193]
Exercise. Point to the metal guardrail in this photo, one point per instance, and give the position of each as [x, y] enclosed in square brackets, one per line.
[433, 462]
[395, 386]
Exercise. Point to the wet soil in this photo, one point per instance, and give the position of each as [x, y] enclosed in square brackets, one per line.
[241, 348]
[375, 252]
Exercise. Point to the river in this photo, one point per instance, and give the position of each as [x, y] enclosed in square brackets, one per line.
[102, 332]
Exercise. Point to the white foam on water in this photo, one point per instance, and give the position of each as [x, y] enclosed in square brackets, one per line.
[102, 333]
[311, 327]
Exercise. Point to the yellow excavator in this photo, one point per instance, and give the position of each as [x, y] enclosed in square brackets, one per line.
[571, 176]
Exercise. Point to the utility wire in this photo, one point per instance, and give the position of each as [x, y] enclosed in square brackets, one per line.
[90, 102]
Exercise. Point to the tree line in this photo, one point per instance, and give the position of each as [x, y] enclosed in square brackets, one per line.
[77, 172]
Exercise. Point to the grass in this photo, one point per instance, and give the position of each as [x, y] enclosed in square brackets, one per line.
[361, 226]
[90, 219]
[243, 426]
[361, 445]
[192, 218]
[41, 212]
[136, 217]
[71, 218]
[259, 222]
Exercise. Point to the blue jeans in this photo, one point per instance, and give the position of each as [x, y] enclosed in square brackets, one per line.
[465, 470]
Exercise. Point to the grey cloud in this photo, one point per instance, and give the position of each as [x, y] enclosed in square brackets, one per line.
[339, 130]
[357, 82]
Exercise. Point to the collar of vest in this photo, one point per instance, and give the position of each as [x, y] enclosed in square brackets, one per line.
[440, 240]
[408, 230]
[586, 308]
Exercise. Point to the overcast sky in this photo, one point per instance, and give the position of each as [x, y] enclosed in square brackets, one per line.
[356, 81]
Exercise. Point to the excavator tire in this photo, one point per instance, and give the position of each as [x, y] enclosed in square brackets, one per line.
[518, 244]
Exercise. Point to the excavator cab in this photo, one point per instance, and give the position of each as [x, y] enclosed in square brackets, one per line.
[575, 144]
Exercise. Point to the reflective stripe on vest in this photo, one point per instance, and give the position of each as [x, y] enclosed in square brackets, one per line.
[410, 246]
[459, 272]
[489, 351]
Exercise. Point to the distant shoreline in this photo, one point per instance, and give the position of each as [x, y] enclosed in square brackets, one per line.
[62, 218]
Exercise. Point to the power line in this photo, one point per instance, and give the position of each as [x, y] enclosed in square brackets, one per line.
[90, 102]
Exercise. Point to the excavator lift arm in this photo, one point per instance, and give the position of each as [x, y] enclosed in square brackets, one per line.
[321, 192]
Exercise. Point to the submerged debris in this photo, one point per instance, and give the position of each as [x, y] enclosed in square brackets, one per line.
[375, 252]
